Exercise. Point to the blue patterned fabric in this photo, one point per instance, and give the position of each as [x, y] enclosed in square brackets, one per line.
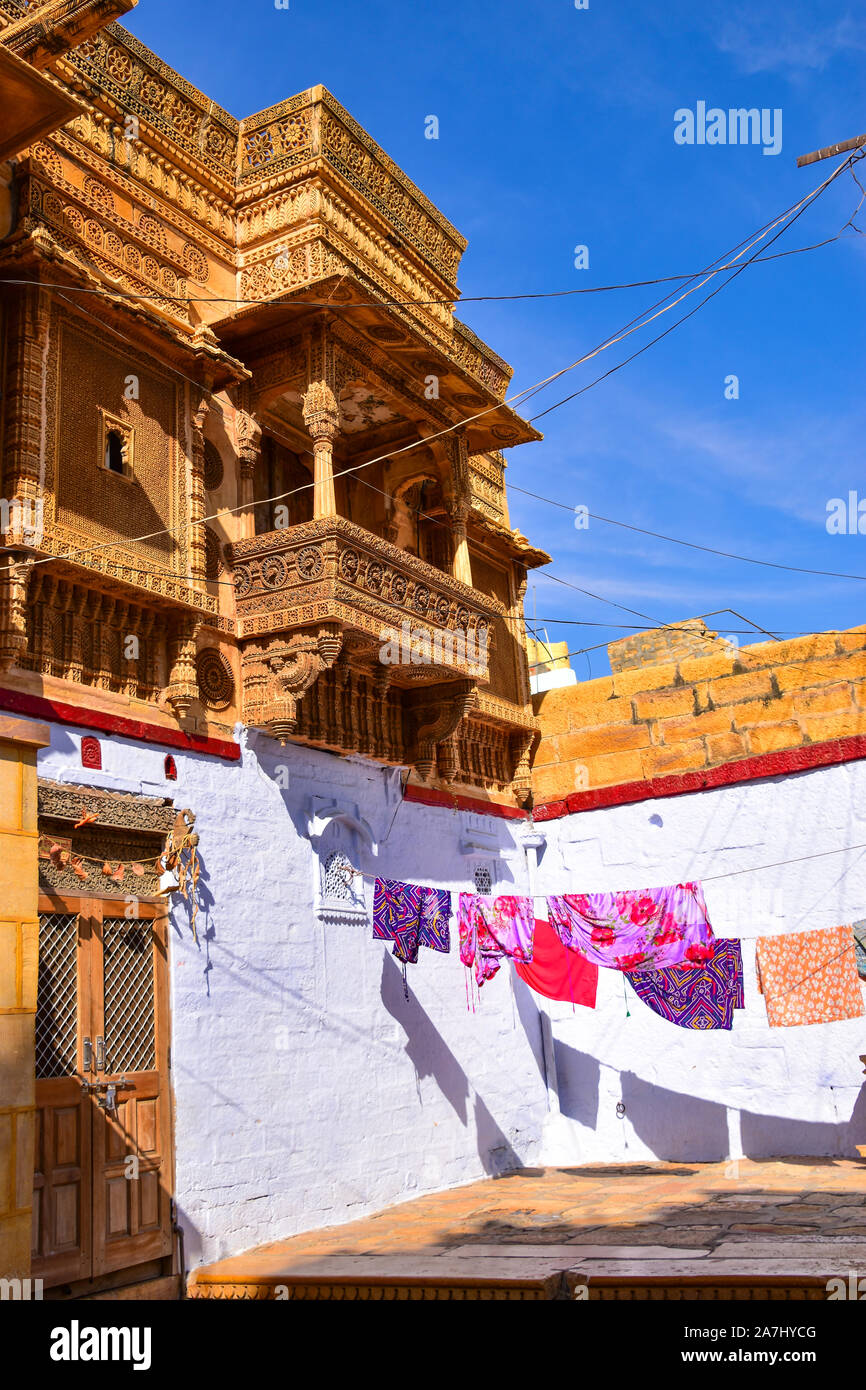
[411, 916]
[698, 996]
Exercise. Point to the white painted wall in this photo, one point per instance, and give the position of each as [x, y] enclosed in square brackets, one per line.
[757, 1090]
[309, 1092]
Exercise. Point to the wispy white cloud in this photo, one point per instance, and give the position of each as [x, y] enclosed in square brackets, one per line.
[783, 41]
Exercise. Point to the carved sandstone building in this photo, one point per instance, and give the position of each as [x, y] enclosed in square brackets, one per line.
[250, 322]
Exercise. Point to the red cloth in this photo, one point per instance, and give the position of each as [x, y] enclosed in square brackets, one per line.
[556, 972]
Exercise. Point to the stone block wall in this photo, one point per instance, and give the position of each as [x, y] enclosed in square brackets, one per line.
[700, 712]
[19, 953]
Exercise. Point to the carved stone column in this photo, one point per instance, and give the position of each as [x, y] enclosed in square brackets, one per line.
[461, 565]
[322, 419]
[249, 437]
[182, 686]
[13, 610]
[25, 390]
[457, 450]
[197, 550]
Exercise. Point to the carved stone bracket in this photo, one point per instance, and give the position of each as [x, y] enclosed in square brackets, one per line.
[290, 669]
[521, 747]
[435, 719]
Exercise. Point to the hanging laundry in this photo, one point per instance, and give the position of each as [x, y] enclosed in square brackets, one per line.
[491, 928]
[696, 996]
[557, 973]
[809, 977]
[859, 930]
[411, 916]
[644, 929]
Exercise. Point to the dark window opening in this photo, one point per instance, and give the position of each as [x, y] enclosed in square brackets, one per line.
[114, 452]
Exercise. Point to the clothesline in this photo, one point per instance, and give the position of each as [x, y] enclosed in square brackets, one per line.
[704, 878]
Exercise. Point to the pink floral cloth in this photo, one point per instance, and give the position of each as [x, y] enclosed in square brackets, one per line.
[492, 928]
[644, 929]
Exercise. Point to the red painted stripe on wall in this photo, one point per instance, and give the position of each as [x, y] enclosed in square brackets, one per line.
[786, 760]
[57, 712]
[432, 796]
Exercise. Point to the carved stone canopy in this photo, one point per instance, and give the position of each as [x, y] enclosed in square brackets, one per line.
[60, 801]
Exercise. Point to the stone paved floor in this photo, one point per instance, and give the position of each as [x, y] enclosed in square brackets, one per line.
[780, 1216]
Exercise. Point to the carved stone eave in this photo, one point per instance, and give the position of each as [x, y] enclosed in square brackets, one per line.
[32, 106]
[43, 33]
[122, 573]
[514, 542]
[192, 350]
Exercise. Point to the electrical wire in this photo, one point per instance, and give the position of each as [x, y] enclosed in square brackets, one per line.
[785, 219]
[384, 302]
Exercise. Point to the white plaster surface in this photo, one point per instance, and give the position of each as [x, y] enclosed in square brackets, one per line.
[309, 1092]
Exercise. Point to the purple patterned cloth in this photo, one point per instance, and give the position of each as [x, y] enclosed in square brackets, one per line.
[643, 929]
[411, 916]
[492, 928]
[696, 996]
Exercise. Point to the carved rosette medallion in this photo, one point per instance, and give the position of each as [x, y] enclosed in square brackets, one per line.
[349, 565]
[216, 684]
[309, 563]
[273, 571]
[243, 581]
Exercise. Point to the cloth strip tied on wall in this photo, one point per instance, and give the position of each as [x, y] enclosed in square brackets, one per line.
[696, 996]
[492, 928]
[640, 930]
[557, 973]
[809, 977]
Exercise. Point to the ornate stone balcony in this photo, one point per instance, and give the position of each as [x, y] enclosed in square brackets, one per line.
[335, 574]
[328, 598]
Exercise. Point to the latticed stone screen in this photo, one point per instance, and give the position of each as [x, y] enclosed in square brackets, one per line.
[57, 996]
[130, 1023]
[92, 376]
[483, 880]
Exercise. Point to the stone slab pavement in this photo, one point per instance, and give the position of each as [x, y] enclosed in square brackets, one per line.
[788, 1217]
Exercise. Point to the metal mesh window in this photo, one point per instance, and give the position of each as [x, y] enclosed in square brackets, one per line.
[57, 996]
[338, 879]
[130, 1024]
[483, 880]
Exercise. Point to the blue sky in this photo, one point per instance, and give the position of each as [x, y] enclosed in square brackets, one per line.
[556, 129]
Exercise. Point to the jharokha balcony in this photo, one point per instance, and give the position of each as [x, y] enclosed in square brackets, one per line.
[350, 641]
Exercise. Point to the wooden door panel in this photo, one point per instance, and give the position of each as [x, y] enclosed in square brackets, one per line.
[62, 1202]
[102, 977]
[132, 1149]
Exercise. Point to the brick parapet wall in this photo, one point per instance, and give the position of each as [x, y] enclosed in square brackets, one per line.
[700, 712]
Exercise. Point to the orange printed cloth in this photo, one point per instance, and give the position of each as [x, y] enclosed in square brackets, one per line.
[809, 977]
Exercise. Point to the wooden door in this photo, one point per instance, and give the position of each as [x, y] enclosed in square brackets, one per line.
[62, 1181]
[113, 1211]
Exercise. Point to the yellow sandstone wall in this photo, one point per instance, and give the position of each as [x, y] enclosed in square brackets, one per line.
[19, 963]
[699, 712]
